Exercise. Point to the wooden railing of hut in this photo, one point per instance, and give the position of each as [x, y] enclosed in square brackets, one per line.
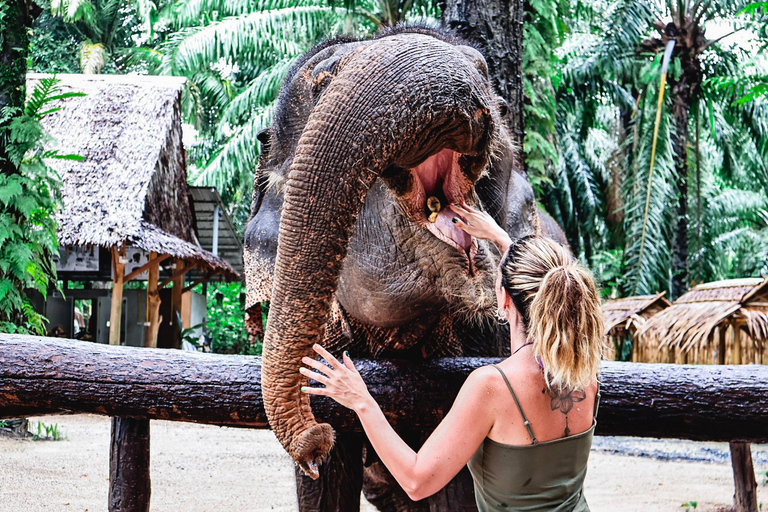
[134, 385]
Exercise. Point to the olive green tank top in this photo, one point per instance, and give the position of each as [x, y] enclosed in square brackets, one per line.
[539, 477]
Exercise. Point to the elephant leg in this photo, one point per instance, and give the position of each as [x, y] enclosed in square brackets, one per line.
[458, 495]
[383, 492]
[341, 478]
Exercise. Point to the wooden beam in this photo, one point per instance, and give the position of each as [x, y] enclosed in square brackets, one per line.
[177, 273]
[42, 375]
[116, 310]
[153, 260]
[153, 304]
[129, 483]
[203, 279]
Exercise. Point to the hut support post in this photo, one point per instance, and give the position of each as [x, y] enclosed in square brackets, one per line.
[153, 303]
[178, 285]
[745, 486]
[129, 484]
[116, 311]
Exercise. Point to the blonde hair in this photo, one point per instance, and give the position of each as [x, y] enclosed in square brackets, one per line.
[559, 303]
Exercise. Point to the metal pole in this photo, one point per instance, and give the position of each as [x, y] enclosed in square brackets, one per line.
[215, 248]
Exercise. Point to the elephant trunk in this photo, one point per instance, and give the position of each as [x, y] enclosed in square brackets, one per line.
[381, 111]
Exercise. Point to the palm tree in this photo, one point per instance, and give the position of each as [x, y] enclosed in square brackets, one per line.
[610, 86]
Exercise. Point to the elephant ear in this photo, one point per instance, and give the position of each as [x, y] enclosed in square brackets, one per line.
[493, 188]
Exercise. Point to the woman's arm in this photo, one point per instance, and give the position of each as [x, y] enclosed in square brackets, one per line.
[446, 451]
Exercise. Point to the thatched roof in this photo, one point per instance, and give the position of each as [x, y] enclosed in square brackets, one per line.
[632, 310]
[692, 318]
[132, 186]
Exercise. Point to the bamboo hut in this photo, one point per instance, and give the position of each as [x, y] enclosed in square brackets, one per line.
[724, 322]
[623, 317]
[128, 201]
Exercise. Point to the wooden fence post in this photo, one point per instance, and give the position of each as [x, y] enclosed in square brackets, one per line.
[745, 487]
[129, 485]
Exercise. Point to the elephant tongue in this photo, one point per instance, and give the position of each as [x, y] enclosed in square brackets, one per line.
[444, 229]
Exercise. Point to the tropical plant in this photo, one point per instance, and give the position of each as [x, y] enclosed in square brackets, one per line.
[107, 30]
[629, 155]
[225, 320]
[29, 199]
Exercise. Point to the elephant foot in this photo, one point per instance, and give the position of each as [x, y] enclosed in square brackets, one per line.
[311, 448]
[340, 478]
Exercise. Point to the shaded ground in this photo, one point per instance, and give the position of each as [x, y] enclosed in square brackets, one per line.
[206, 468]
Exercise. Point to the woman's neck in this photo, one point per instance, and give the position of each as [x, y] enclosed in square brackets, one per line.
[517, 336]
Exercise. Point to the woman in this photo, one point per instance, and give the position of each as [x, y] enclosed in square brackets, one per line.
[524, 427]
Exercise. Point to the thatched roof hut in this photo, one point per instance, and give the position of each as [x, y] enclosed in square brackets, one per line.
[623, 317]
[131, 189]
[724, 322]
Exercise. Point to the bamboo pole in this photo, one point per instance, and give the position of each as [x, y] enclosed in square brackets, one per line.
[153, 303]
[116, 310]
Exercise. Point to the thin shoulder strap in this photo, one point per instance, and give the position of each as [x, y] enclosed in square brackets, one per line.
[597, 401]
[519, 408]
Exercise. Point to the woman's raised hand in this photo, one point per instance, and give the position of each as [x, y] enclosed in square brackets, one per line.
[342, 381]
[480, 225]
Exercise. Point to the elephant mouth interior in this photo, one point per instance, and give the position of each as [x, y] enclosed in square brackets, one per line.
[440, 183]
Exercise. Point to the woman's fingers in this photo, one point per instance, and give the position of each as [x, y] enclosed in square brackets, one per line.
[317, 365]
[348, 361]
[327, 356]
[314, 391]
[316, 376]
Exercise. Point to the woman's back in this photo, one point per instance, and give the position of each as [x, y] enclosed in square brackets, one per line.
[539, 466]
[551, 415]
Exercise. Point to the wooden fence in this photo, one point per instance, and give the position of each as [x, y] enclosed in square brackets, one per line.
[133, 385]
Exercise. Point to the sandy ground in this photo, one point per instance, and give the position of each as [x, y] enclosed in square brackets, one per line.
[205, 468]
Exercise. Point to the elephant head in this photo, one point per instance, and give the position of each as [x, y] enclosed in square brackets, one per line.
[388, 127]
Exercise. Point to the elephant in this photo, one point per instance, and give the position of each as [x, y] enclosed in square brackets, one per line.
[350, 237]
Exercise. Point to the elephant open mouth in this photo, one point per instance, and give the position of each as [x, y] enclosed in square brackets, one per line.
[437, 183]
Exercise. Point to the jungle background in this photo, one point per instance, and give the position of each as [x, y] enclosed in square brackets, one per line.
[654, 195]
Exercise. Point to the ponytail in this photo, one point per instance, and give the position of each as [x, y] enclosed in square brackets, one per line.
[560, 307]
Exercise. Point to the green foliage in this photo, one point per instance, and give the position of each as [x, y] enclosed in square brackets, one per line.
[544, 31]
[54, 46]
[29, 200]
[225, 320]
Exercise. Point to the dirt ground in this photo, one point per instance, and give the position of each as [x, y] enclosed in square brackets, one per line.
[205, 468]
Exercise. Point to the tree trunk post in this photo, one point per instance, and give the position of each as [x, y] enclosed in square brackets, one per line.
[116, 311]
[153, 304]
[497, 25]
[129, 484]
[745, 486]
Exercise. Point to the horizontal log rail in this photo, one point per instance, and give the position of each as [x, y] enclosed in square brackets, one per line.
[50, 375]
